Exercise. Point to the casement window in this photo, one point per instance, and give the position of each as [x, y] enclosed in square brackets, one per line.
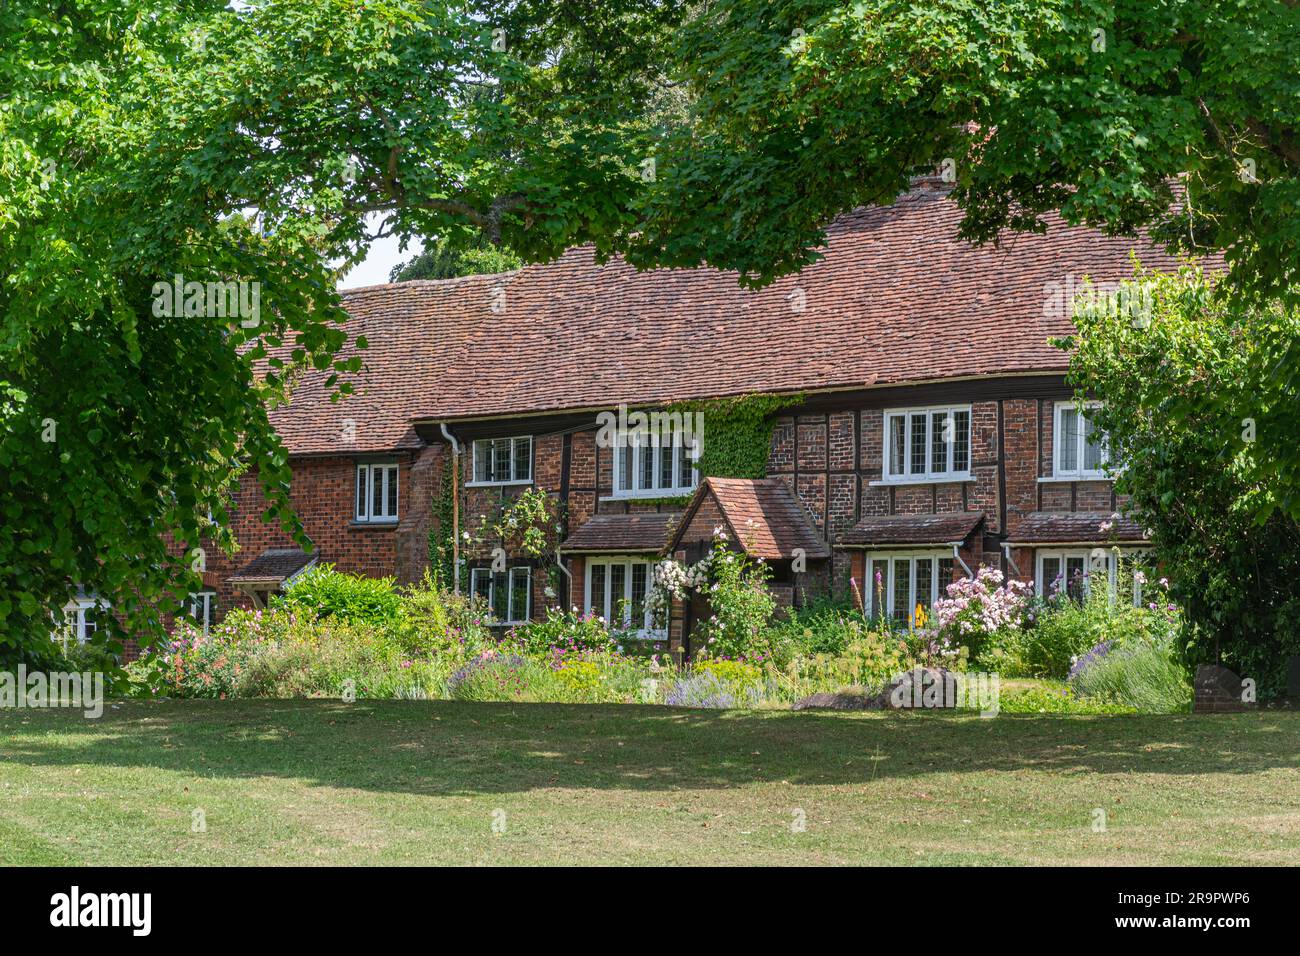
[616, 590]
[503, 461]
[377, 492]
[655, 465]
[508, 593]
[1075, 571]
[80, 620]
[201, 606]
[927, 444]
[1079, 447]
[907, 580]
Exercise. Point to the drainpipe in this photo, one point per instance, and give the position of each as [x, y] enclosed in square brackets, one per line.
[455, 508]
[956, 553]
[1006, 549]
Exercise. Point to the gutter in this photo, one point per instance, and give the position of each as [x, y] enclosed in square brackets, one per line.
[455, 508]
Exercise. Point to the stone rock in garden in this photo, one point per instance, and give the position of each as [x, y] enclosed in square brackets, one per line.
[922, 688]
[1217, 690]
[826, 701]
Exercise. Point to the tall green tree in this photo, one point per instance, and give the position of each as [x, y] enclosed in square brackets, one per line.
[441, 260]
[150, 144]
[1189, 389]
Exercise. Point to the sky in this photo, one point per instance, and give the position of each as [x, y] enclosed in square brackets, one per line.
[379, 262]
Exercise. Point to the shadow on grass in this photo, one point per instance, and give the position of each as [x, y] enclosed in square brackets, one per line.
[447, 747]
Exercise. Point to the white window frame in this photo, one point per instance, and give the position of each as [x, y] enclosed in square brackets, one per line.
[481, 446]
[930, 474]
[647, 631]
[476, 575]
[74, 619]
[388, 473]
[201, 599]
[1081, 443]
[883, 561]
[637, 444]
[1093, 560]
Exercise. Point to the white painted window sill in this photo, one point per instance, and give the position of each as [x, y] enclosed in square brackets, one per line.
[1065, 479]
[651, 495]
[497, 484]
[919, 480]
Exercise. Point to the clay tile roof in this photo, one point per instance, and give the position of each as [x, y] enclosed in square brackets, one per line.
[621, 533]
[944, 528]
[274, 564]
[1075, 527]
[763, 517]
[897, 298]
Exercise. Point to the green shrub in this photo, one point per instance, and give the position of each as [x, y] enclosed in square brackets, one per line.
[1058, 699]
[822, 627]
[1145, 675]
[562, 631]
[742, 606]
[437, 622]
[350, 597]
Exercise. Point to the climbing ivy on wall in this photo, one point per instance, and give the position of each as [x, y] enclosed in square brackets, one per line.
[441, 551]
[737, 433]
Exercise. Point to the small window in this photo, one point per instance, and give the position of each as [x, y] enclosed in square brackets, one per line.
[656, 464]
[508, 593]
[927, 444]
[1079, 446]
[503, 461]
[907, 582]
[616, 589]
[201, 607]
[1076, 571]
[377, 492]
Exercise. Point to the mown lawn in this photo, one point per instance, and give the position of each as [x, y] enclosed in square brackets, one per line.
[404, 782]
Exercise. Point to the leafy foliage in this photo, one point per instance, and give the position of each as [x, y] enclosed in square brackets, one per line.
[351, 597]
[441, 260]
[738, 433]
[1200, 408]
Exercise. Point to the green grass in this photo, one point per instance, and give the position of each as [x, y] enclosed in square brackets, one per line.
[325, 782]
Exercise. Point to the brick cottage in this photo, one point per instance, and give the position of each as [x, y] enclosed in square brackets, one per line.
[929, 430]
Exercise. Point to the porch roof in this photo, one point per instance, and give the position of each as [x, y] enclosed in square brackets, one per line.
[274, 566]
[1075, 527]
[621, 534]
[761, 515]
[943, 528]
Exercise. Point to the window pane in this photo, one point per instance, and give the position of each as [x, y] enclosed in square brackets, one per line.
[1068, 440]
[617, 595]
[361, 492]
[961, 441]
[519, 580]
[376, 491]
[501, 459]
[481, 583]
[897, 444]
[637, 612]
[482, 458]
[1051, 571]
[646, 449]
[523, 459]
[917, 454]
[902, 568]
[391, 478]
[924, 582]
[685, 473]
[665, 451]
[1091, 445]
[598, 595]
[940, 434]
[623, 467]
[947, 568]
[501, 596]
[1075, 577]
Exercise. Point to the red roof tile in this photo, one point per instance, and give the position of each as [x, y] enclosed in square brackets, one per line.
[764, 517]
[1075, 527]
[944, 528]
[621, 533]
[898, 298]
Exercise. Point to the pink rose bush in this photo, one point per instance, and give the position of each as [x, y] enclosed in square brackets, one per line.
[979, 609]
